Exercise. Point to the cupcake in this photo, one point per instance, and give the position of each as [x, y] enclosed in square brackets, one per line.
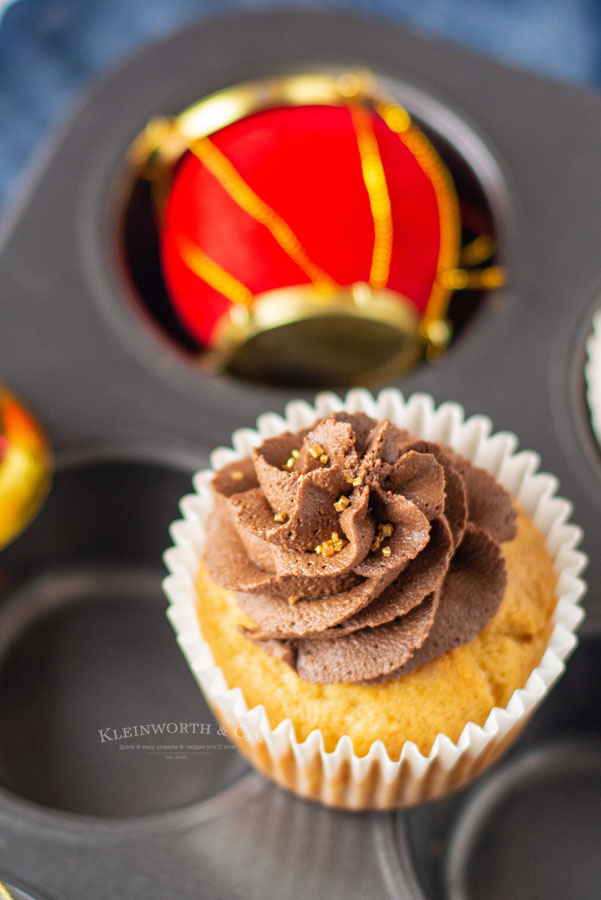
[374, 595]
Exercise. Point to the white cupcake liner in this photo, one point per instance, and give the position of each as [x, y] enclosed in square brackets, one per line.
[592, 374]
[341, 778]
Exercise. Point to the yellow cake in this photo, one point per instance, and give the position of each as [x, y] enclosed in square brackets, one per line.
[461, 686]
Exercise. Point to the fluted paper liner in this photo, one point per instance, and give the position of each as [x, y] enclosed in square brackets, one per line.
[592, 373]
[375, 781]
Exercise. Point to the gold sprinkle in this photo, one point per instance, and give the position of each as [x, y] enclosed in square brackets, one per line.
[341, 504]
[316, 451]
[280, 517]
[289, 464]
[301, 476]
[331, 546]
[386, 551]
[324, 458]
[293, 599]
[237, 475]
[348, 478]
[357, 482]
[385, 530]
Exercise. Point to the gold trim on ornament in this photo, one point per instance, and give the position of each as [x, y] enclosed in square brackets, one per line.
[291, 306]
[214, 274]
[374, 178]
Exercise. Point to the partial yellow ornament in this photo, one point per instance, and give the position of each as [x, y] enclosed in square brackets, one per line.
[24, 467]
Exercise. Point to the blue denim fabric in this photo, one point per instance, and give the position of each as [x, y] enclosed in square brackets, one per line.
[49, 49]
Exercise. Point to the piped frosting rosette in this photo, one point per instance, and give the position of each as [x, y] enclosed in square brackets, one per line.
[383, 552]
[388, 518]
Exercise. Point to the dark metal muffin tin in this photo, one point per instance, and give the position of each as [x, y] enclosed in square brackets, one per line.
[84, 644]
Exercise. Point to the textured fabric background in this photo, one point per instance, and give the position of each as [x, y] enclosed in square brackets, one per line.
[50, 49]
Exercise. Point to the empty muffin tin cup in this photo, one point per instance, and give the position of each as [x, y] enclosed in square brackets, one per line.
[535, 824]
[98, 714]
[531, 827]
[342, 778]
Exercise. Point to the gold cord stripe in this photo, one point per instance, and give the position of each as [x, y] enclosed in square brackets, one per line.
[399, 121]
[232, 182]
[478, 251]
[213, 274]
[5, 894]
[374, 178]
[484, 279]
[448, 211]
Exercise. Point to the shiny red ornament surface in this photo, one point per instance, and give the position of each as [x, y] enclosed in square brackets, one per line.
[305, 163]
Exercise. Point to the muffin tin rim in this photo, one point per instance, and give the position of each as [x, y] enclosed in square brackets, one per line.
[52, 819]
[129, 450]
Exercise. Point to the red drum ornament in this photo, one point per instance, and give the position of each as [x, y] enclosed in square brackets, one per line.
[309, 232]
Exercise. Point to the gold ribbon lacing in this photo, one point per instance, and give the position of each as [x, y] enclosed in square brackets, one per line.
[232, 182]
[374, 178]
[214, 275]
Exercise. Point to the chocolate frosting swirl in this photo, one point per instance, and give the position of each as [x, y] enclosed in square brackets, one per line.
[359, 551]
